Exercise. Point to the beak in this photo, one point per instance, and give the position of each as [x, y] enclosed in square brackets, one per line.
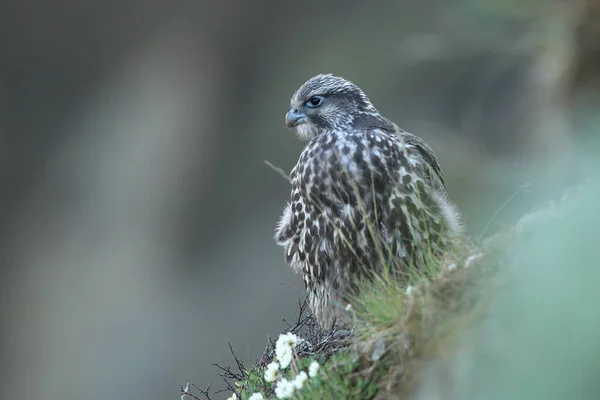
[294, 117]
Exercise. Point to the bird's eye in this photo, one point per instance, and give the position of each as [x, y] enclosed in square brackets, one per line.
[314, 101]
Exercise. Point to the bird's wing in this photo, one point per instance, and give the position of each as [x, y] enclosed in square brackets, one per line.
[432, 169]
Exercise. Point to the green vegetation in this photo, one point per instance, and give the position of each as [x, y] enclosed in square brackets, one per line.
[514, 317]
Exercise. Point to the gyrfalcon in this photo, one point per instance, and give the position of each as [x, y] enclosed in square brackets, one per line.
[365, 194]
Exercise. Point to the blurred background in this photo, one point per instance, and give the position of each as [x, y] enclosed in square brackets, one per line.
[136, 211]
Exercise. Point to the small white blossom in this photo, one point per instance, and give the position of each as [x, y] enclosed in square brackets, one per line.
[284, 348]
[284, 389]
[300, 380]
[409, 289]
[348, 307]
[288, 340]
[256, 396]
[285, 355]
[232, 397]
[272, 372]
[313, 369]
[451, 267]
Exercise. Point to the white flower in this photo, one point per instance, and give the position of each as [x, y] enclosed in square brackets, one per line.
[300, 380]
[348, 307]
[284, 389]
[232, 397]
[272, 372]
[313, 369]
[287, 339]
[256, 396]
[285, 355]
[409, 289]
[451, 267]
[284, 348]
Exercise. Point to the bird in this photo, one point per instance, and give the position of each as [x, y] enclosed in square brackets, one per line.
[365, 194]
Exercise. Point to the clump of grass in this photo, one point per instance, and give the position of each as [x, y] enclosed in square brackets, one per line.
[400, 328]
[341, 379]
[397, 329]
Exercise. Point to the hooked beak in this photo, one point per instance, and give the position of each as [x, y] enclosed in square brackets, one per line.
[294, 117]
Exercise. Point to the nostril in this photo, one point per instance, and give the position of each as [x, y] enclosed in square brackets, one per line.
[295, 111]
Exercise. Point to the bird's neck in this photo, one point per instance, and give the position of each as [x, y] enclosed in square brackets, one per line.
[367, 121]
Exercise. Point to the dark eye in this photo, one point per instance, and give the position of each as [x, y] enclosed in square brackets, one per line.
[315, 101]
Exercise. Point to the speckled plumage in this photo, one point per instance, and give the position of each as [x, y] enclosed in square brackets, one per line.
[364, 193]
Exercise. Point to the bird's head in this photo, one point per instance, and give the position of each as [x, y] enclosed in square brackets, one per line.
[326, 102]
